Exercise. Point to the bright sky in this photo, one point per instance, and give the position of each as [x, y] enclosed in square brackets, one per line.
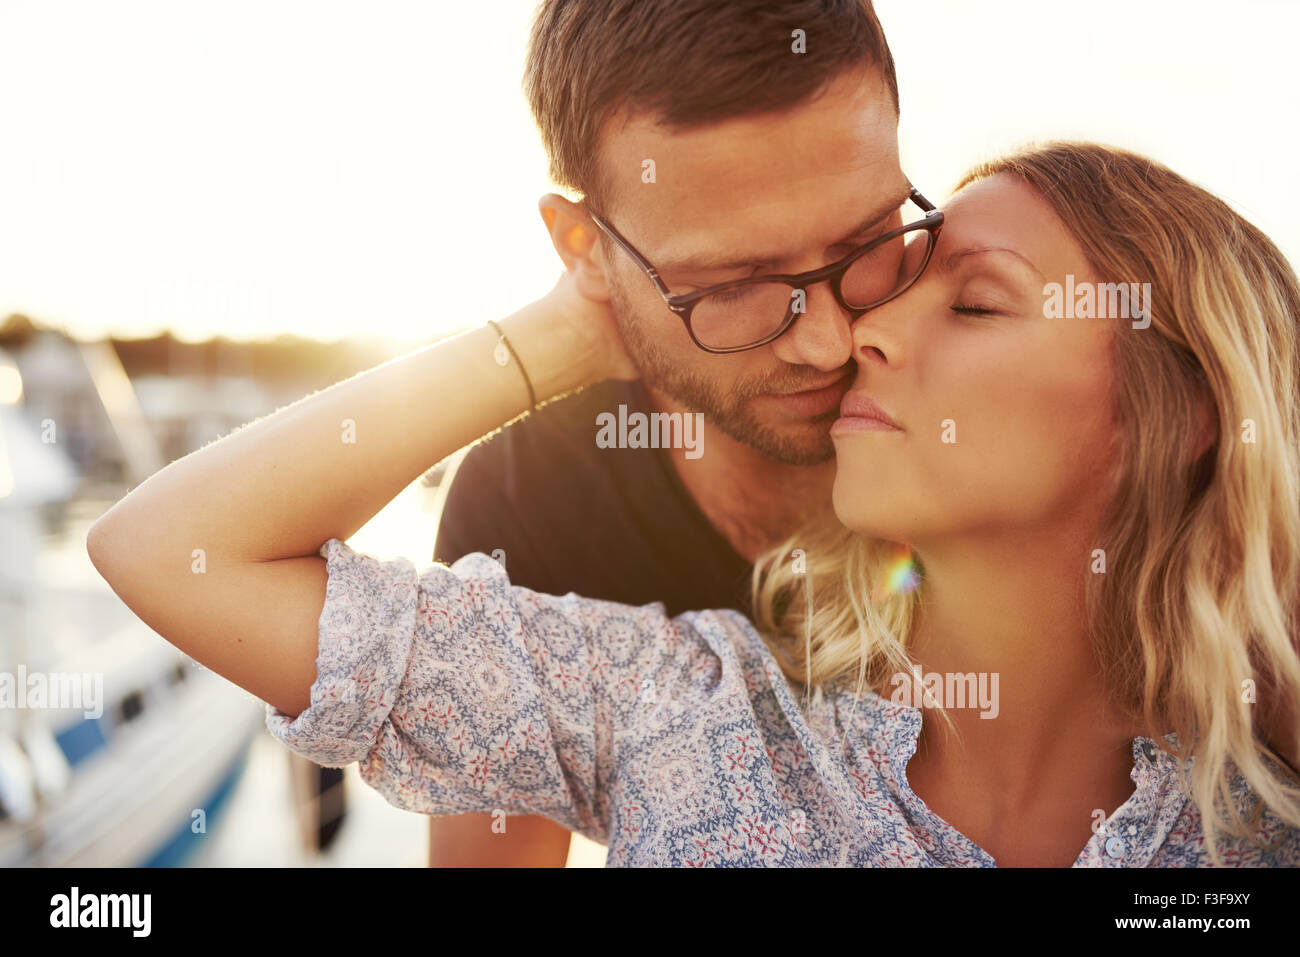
[329, 168]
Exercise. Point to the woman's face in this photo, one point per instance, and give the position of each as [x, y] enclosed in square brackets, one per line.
[1005, 421]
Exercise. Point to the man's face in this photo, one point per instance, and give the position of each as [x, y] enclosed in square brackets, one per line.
[784, 192]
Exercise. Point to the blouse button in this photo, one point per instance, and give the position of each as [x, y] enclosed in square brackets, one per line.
[1114, 847]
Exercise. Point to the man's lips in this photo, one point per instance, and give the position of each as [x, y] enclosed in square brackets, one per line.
[812, 402]
[860, 413]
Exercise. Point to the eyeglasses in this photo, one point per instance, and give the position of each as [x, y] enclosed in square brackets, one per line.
[751, 312]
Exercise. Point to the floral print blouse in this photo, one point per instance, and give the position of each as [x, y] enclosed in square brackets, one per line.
[674, 741]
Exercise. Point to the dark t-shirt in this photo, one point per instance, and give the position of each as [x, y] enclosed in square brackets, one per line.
[609, 523]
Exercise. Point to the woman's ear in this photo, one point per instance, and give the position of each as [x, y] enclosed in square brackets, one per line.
[574, 237]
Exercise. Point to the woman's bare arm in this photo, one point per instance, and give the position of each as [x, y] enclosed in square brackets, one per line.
[478, 840]
[218, 551]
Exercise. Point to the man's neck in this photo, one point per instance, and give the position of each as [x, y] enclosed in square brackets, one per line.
[753, 501]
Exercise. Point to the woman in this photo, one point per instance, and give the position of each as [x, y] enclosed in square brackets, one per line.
[1102, 528]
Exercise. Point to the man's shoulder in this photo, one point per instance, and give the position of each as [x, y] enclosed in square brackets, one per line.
[542, 488]
[561, 433]
[571, 513]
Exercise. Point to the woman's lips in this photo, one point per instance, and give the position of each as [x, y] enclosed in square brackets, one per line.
[858, 413]
[814, 402]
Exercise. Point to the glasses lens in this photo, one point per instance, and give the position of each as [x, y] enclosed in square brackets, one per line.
[886, 270]
[749, 314]
[742, 316]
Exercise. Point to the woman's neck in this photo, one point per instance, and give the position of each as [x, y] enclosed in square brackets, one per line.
[1011, 611]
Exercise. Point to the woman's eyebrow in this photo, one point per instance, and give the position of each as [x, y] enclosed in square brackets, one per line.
[701, 263]
[951, 259]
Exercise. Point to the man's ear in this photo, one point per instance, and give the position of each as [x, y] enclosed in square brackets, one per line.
[575, 238]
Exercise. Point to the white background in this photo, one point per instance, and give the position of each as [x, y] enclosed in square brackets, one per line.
[332, 168]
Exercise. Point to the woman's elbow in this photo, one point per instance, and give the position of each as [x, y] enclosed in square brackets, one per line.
[101, 544]
[108, 543]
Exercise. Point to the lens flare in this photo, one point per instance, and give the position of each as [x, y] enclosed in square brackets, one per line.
[901, 574]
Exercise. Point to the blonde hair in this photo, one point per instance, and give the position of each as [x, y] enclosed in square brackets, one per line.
[1202, 546]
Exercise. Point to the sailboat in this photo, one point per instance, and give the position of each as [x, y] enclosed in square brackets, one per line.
[141, 776]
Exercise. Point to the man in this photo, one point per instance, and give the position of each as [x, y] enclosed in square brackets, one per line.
[713, 142]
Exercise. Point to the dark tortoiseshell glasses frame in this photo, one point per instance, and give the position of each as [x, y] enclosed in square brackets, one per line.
[682, 305]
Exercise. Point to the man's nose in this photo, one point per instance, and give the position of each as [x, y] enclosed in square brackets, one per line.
[821, 336]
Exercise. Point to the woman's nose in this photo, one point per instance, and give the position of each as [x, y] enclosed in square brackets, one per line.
[877, 336]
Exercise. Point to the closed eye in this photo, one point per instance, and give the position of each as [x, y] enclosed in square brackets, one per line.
[974, 310]
[731, 295]
[843, 249]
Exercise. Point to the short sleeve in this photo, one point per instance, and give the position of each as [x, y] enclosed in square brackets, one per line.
[457, 692]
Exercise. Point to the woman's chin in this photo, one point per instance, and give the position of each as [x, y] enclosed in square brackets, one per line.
[866, 525]
[871, 519]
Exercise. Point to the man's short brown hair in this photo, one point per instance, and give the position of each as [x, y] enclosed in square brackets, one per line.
[687, 62]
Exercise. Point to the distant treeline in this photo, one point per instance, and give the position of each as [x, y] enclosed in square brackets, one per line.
[283, 358]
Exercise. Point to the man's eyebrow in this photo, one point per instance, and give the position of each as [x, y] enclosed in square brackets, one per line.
[700, 263]
[949, 261]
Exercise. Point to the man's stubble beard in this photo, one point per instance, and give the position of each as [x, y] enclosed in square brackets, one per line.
[727, 411]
